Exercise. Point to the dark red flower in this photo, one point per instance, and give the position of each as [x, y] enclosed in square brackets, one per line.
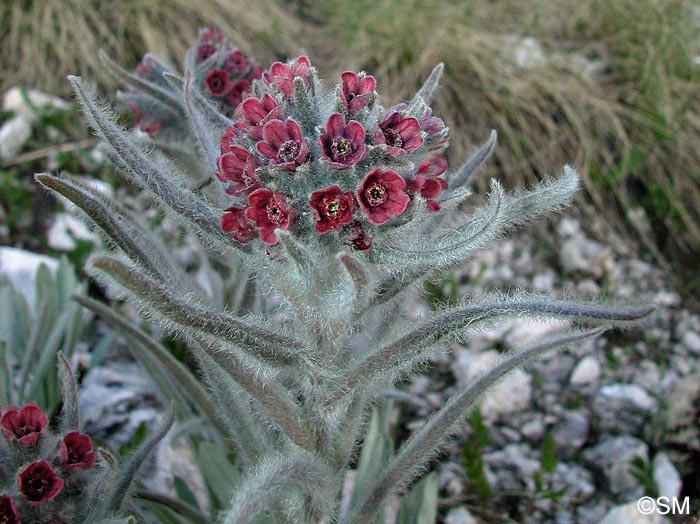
[228, 139]
[358, 238]
[8, 511]
[205, 51]
[283, 144]
[381, 196]
[75, 451]
[253, 113]
[217, 82]
[236, 63]
[269, 211]
[332, 208]
[209, 35]
[39, 483]
[236, 92]
[425, 181]
[146, 67]
[357, 91]
[24, 425]
[237, 165]
[401, 134]
[282, 75]
[234, 221]
[342, 145]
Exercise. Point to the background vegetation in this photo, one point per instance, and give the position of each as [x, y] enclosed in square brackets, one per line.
[612, 86]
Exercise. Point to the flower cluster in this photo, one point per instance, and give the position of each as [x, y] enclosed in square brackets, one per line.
[45, 464]
[221, 72]
[313, 161]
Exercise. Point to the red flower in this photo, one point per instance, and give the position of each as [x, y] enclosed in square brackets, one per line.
[332, 208]
[269, 211]
[282, 75]
[253, 113]
[228, 139]
[23, 424]
[39, 483]
[75, 451]
[205, 51]
[236, 63]
[209, 35]
[342, 145]
[8, 511]
[236, 92]
[358, 238]
[401, 135]
[357, 92]
[283, 144]
[217, 82]
[425, 181]
[381, 197]
[234, 220]
[237, 165]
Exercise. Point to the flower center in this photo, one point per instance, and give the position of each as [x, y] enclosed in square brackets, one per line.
[38, 485]
[288, 151]
[23, 431]
[375, 194]
[274, 214]
[393, 138]
[333, 207]
[341, 148]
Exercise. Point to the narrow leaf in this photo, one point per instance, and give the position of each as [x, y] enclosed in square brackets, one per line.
[69, 390]
[464, 173]
[427, 91]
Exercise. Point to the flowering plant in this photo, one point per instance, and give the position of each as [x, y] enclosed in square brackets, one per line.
[337, 207]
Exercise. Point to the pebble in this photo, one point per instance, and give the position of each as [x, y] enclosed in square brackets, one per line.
[586, 371]
[666, 477]
[460, 515]
[15, 100]
[691, 340]
[613, 458]
[20, 267]
[630, 514]
[14, 133]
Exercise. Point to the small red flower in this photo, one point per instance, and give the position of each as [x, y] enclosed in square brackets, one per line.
[253, 113]
[401, 135]
[282, 75]
[283, 144]
[342, 145]
[425, 181]
[205, 51]
[237, 165]
[381, 196]
[209, 35]
[236, 63]
[357, 91]
[39, 483]
[228, 139]
[269, 211]
[332, 208]
[8, 511]
[217, 82]
[75, 451]
[234, 221]
[236, 92]
[24, 425]
[358, 238]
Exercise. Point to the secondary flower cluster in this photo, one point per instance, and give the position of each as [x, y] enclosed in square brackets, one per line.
[302, 158]
[221, 72]
[42, 469]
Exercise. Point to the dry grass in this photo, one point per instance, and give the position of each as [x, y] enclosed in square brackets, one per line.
[631, 127]
[45, 40]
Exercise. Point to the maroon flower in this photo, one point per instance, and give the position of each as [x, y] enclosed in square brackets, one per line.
[236, 92]
[39, 483]
[234, 221]
[425, 181]
[356, 92]
[237, 165]
[228, 139]
[209, 35]
[282, 75]
[204, 51]
[358, 238]
[236, 63]
[269, 211]
[75, 451]
[401, 135]
[381, 196]
[342, 145]
[283, 144]
[23, 424]
[332, 208]
[253, 113]
[8, 511]
[217, 82]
